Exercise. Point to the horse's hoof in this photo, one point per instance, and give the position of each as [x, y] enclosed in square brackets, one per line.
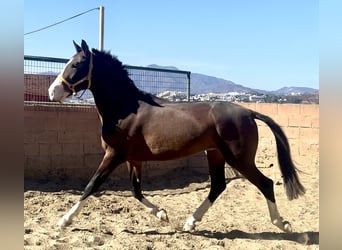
[64, 222]
[189, 224]
[162, 215]
[287, 227]
[283, 225]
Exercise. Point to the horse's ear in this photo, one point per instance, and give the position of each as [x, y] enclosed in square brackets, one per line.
[85, 47]
[77, 47]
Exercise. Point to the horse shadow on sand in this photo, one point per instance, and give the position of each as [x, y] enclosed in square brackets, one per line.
[305, 238]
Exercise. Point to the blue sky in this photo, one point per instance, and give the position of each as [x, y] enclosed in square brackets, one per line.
[261, 44]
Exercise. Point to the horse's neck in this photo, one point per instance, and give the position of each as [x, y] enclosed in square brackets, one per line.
[112, 106]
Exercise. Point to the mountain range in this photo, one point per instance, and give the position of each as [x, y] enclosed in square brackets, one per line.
[203, 84]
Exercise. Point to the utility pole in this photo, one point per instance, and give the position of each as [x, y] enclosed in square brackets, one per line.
[101, 31]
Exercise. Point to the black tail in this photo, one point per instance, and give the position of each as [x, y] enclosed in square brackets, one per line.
[291, 181]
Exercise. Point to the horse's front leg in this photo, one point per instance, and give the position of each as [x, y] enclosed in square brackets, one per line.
[109, 163]
[134, 169]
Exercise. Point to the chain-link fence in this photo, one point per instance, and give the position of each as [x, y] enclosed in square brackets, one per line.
[39, 73]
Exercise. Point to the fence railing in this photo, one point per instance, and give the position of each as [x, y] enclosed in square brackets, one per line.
[39, 72]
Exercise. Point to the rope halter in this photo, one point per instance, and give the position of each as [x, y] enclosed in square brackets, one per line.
[72, 86]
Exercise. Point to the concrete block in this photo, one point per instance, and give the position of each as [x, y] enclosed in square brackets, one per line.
[309, 109]
[309, 135]
[281, 119]
[300, 121]
[265, 132]
[63, 161]
[249, 105]
[315, 122]
[92, 148]
[291, 132]
[72, 148]
[270, 109]
[92, 136]
[68, 136]
[92, 161]
[294, 147]
[44, 136]
[29, 137]
[292, 109]
[31, 149]
[34, 162]
[47, 149]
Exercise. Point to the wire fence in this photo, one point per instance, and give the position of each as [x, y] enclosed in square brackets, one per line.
[40, 72]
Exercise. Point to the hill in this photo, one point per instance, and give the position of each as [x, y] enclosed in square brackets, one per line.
[204, 84]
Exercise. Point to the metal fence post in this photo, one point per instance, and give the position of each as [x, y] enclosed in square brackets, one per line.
[188, 88]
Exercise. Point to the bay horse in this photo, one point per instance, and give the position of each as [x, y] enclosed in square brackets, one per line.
[137, 127]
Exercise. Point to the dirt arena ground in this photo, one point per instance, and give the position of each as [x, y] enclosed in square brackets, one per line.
[113, 219]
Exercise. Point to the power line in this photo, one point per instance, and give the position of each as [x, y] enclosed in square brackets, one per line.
[49, 26]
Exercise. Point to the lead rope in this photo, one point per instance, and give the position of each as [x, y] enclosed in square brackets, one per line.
[79, 97]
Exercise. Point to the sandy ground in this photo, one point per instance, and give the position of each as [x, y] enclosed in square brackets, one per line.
[113, 219]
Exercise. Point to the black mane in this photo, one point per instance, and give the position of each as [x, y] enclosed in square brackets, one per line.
[115, 63]
[122, 75]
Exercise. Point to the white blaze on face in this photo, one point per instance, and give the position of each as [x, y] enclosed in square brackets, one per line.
[56, 90]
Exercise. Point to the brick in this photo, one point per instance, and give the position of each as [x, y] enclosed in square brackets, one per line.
[67, 136]
[266, 141]
[294, 147]
[249, 105]
[314, 149]
[92, 160]
[300, 121]
[34, 172]
[93, 136]
[72, 149]
[29, 137]
[291, 132]
[50, 149]
[309, 135]
[52, 123]
[309, 109]
[46, 137]
[31, 149]
[293, 109]
[33, 123]
[315, 122]
[45, 114]
[92, 148]
[266, 151]
[62, 161]
[265, 132]
[304, 149]
[81, 124]
[281, 119]
[34, 162]
[270, 109]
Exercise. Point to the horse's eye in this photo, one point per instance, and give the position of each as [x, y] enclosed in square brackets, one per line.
[75, 65]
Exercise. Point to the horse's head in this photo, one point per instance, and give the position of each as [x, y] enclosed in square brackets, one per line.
[75, 76]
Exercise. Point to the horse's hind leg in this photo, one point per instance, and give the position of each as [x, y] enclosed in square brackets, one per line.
[218, 184]
[265, 185]
[134, 169]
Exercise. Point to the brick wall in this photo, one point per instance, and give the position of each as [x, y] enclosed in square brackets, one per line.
[300, 123]
[62, 141]
[36, 87]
